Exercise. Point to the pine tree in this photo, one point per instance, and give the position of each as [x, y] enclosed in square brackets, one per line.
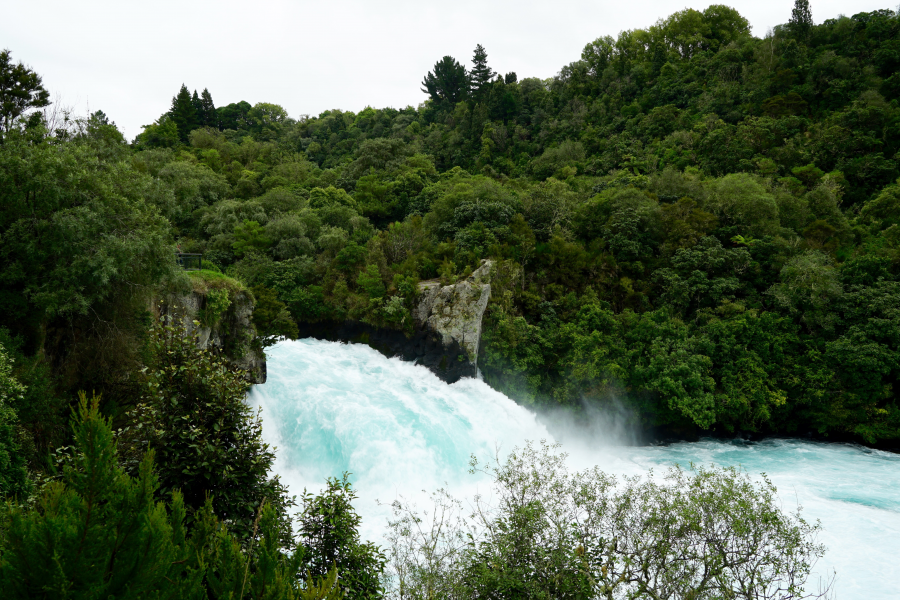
[481, 74]
[183, 113]
[447, 84]
[198, 108]
[801, 22]
[208, 118]
[98, 533]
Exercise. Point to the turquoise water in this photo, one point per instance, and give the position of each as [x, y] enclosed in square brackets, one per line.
[332, 407]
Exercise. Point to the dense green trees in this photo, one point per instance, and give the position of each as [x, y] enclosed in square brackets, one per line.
[687, 216]
[208, 442]
[98, 532]
[328, 529]
[694, 221]
[683, 217]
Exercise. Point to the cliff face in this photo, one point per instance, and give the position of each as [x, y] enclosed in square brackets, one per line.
[227, 326]
[454, 312]
[447, 328]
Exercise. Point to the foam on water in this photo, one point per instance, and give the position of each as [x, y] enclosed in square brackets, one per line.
[332, 407]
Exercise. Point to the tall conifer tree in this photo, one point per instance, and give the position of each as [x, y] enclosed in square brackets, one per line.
[801, 19]
[447, 84]
[481, 74]
[208, 114]
[183, 113]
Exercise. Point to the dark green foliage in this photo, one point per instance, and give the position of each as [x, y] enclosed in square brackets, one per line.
[271, 317]
[184, 112]
[683, 218]
[21, 89]
[99, 533]
[801, 21]
[206, 114]
[328, 528]
[447, 84]
[208, 442]
[481, 74]
[81, 249]
[233, 116]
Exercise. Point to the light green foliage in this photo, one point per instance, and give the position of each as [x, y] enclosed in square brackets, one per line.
[161, 134]
[249, 236]
[320, 198]
[740, 200]
[554, 159]
[809, 285]
[370, 281]
[215, 303]
[194, 186]
[883, 210]
[14, 482]
[543, 532]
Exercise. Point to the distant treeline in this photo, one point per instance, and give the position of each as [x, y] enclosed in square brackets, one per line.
[700, 220]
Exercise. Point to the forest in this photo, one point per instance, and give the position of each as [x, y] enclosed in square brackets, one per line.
[694, 221]
[703, 222]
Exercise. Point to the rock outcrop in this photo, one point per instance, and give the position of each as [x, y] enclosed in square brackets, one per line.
[454, 312]
[232, 331]
[447, 327]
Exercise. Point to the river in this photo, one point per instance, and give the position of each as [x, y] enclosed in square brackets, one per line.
[401, 431]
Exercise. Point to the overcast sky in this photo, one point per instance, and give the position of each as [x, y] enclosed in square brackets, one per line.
[128, 58]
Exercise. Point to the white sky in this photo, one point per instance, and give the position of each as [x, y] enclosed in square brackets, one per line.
[128, 58]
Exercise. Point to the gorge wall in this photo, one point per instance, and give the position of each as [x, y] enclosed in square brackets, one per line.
[447, 327]
[226, 325]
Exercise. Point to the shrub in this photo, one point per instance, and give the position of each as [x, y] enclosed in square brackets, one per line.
[545, 533]
[208, 441]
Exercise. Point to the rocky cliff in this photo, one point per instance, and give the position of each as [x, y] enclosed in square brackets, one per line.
[222, 319]
[447, 329]
[454, 312]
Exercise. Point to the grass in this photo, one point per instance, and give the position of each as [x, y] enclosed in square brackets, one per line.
[205, 280]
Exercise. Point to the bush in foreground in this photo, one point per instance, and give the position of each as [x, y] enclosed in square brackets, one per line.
[99, 533]
[545, 533]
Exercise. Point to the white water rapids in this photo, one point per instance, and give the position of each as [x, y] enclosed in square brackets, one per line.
[332, 407]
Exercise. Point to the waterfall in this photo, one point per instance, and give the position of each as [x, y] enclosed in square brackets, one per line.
[331, 407]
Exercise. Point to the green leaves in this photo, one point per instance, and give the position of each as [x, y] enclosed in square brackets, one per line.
[75, 228]
[99, 533]
[20, 89]
[250, 236]
[208, 441]
[543, 532]
[328, 527]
